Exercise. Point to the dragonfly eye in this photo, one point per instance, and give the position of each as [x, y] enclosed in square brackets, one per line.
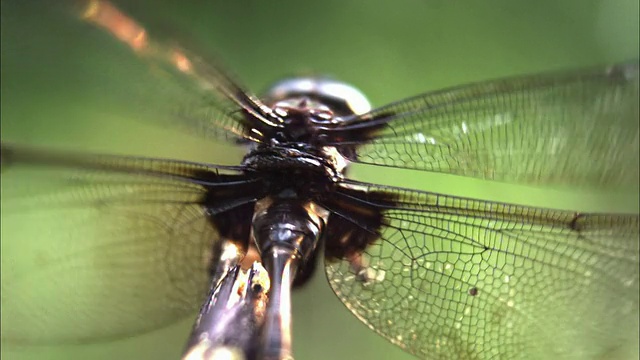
[340, 98]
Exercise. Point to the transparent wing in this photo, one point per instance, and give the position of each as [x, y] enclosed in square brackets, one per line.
[100, 247]
[456, 278]
[220, 103]
[577, 128]
[157, 76]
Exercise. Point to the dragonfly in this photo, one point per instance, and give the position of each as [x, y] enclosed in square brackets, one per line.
[441, 276]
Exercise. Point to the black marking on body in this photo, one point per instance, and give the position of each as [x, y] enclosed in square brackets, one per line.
[229, 203]
[354, 225]
[231, 206]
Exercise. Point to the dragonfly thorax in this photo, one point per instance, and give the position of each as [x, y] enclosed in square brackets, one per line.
[307, 107]
[296, 159]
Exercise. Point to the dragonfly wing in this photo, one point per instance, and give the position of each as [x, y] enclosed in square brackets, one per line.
[148, 74]
[457, 278]
[576, 128]
[101, 247]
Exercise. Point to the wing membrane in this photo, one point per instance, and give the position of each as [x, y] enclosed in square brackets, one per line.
[456, 278]
[166, 80]
[575, 128]
[99, 247]
[225, 104]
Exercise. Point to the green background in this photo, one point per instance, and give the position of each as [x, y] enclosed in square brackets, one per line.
[60, 88]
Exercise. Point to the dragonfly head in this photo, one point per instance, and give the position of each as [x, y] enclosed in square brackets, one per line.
[307, 105]
[320, 97]
[343, 99]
